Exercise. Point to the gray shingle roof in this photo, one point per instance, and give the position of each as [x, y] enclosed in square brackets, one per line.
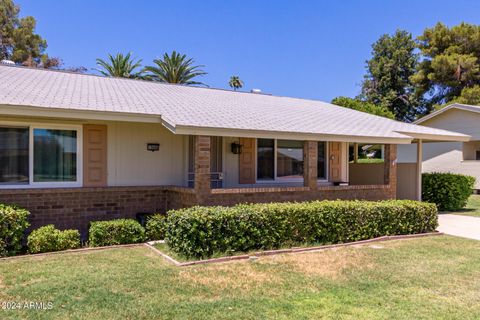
[192, 107]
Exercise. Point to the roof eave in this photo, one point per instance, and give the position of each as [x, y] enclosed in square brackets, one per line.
[437, 137]
[77, 114]
[459, 106]
[247, 133]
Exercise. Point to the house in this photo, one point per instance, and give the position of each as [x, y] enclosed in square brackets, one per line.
[454, 156]
[76, 148]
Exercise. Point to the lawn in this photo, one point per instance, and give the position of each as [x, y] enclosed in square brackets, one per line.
[423, 278]
[472, 208]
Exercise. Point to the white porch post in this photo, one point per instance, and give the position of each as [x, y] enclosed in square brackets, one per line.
[419, 169]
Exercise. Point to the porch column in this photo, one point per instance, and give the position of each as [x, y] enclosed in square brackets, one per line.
[419, 169]
[310, 154]
[202, 164]
[390, 168]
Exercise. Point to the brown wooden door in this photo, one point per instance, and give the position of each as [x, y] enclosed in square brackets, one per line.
[335, 162]
[247, 161]
[94, 155]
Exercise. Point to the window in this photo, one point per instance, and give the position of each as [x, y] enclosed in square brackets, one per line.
[322, 160]
[54, 155]
[282, 160]
[365, 153]
[265, 159]
[289, 159]
[36, 156]
[14, 156]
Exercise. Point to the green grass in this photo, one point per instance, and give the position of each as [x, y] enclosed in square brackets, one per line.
[424, 278]
[169, 252]
[369, 160]
[472, 209]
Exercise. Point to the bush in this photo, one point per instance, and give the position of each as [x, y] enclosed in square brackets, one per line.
[13, 223]
[156, 227]
[202, 231]
[48, 239]
[113, 232]
[448, 191]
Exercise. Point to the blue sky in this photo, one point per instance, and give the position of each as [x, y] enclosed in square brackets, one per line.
[309, 49]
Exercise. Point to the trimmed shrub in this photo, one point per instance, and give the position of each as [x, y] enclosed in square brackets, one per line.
[13, 223]
[48, 239]
[113, 232]
[448, 191]
[156, 227]
[202, 231]
[69, 239]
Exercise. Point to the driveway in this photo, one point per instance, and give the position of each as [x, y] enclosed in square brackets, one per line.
[461, 226]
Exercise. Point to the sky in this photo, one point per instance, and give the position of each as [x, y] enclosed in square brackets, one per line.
[307, 49]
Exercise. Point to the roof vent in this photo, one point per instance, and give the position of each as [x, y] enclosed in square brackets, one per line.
[9, 62]
[256, 91]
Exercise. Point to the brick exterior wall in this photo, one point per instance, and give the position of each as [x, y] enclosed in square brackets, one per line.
[68, 208]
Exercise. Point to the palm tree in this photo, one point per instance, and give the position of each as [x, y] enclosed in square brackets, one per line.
[175, 68]
[235, 83]
[120, 66]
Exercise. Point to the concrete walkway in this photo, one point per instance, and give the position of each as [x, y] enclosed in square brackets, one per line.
[461, 226]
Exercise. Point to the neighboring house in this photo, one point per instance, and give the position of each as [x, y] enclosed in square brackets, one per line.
[76, 148]
[456, 157]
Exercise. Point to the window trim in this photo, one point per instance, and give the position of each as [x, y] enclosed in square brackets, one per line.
[54, 184]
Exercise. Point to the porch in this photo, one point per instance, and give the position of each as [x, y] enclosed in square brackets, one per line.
[265, 170]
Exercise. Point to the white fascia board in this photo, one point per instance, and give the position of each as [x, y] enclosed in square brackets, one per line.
[244, 133]
[58, 113]
[438, 137]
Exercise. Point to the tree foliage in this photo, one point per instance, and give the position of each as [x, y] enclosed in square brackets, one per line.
[18, 40]
[363, 106]
[450, 68]
[235, 83]
[387, 82]
[120, 66]
[175, 68]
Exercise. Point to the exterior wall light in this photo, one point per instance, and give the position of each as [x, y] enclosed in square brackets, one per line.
[153, 147]
[236, 148]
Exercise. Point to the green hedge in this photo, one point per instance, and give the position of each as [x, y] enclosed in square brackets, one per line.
[13, 223]
[202, 231]
[448, 191]
[113, 232]
[48, 239]
[156, 227]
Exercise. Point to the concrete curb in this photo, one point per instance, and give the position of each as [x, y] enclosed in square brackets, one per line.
[291, 250]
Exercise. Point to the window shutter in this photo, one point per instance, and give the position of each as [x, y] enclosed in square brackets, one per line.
[247, 161]
[94, 155]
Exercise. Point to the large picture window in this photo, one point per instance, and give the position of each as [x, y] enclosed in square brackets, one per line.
[282, 160]
[37, 156]
[54, 155]
[289, 159]
[14, 155]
